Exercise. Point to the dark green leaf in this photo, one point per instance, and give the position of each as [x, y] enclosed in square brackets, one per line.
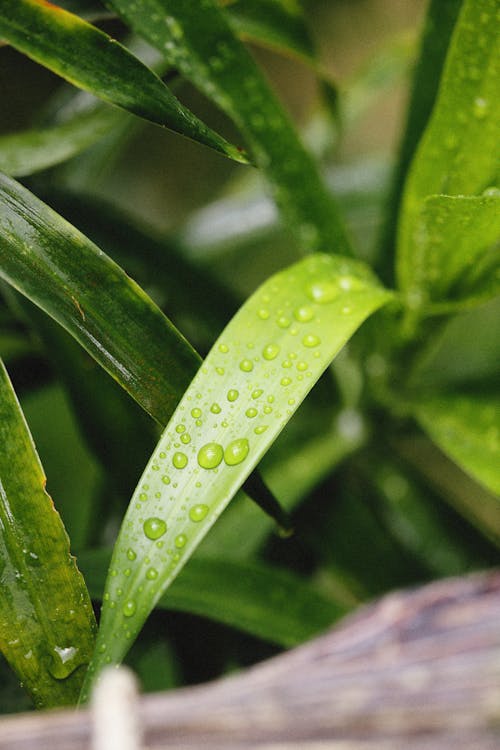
[198, 40]
[466, 426]
[258, 372]
[259, 599]
[90, 59]
[46, 619]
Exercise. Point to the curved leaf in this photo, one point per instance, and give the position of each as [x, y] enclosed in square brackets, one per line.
[259, 599]
[90, 59]
[458, 154]
[46, 619]
[466, 426]
[258, 372]
[65, 274]
[197, 39]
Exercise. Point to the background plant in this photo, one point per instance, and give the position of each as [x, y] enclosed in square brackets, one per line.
[364, 465]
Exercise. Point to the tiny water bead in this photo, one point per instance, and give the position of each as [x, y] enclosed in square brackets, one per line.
[261, 429]
[131, 555]
[154, 528]
[215, 409]
[311, 340]
[129, 608]
[246, 365]
[236, 452]
[251, 413]
[303, 314]
[180, 541]
[270, 351]
[223, 348]
[198, 512]
[151, 574]
[196, 413]
[143, 496]
[179, 460]
[210, 455]
[263, 313]
[220, 370]
[232, 394]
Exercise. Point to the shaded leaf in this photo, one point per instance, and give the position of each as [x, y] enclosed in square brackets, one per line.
[466, 426]
[92, 60]
[65, 274]
[254, 378]
[46, 619]
[259, 599]
[458, 154]
[197, 39]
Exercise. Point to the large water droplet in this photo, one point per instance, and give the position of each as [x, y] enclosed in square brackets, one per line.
[251, 413]
[129, 608]
[196, 413]
[185, 438]
[154, 528]
[210, 455]
[270, 351]
[180, 428]
[215, 409]
[311, 340]
[236, 452]
[198, 512]
[232, 394]
[246, 365]
[64, 661]
[179, 460]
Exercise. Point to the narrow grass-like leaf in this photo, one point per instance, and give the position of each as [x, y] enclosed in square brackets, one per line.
[65, 274]
[32, 150]
[259, 599]
[458, 154]
[46, 619]
[466, 426]
[456, 254]
[197, 39]
[254, 378]
[436, 34]
[90, 59]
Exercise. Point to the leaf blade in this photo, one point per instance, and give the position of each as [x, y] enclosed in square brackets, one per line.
[46, 620]
[90, 59]
[213, 428]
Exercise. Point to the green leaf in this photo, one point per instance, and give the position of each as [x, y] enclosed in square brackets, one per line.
[92, 60]
[46, 618]
[65, 274]
[466, 426]
[259, 599]
[32, 150]
[198, 40]
[436, 34]
[458, 154]
[254, 378]
[456, 256]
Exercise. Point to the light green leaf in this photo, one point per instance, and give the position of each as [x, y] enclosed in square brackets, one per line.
[90, 59]
[466, 426]
[65, 274]
[32, 150]
[254, 378]
[458, 154]
[456, 255]
[46, 619]
[197, 39]
[259, 599]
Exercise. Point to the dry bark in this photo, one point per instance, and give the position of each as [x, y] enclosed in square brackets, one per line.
[417, 670]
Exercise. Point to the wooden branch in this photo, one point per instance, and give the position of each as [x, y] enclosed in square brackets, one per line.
[418, 670]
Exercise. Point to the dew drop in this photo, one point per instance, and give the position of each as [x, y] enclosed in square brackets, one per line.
[165, 479]
[246, 365]
[196, 413]
[223, 348]
[198, 512]
[285, 381]
[179, 460]
[258, 392]
[220, 370]
[129, 608]
[261, 429]
[480, 108]
[143, 496]
[180, 541]
[232, 395]
[323, 292]
[154, 528]
[286, 363]
[283, 321]
[185, 438]
[180, 428]
[270, 399]
[302, 366]
[270, 351]
[311, 340]
[151, 574]
[210, 455]
[131, 555]
[215, 409]
[303, 314]
[236, 452]
[251, 413]
[263, 313]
